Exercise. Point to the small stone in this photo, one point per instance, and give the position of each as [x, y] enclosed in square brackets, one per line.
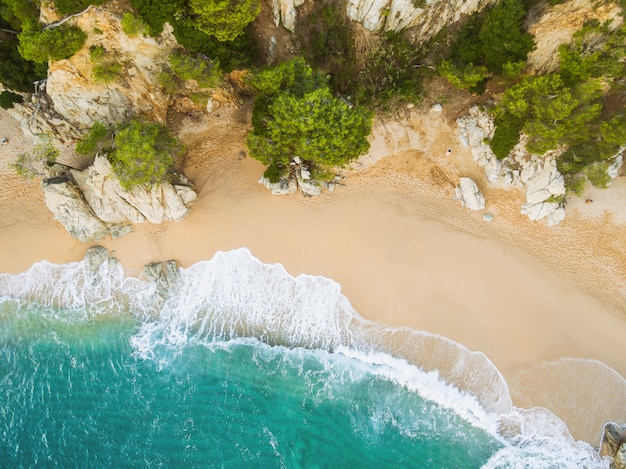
[437, 107]
[488, 217]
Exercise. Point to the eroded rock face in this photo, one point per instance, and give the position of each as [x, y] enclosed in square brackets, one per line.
[115, 205]
[91, 204]
[469, 195]
[78, 99]
[614, 444]
[65, 200]
[555, 25]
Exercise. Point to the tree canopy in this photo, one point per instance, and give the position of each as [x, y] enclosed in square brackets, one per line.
[41, 45]
[224, 19]
[141, 153]
[297, 116]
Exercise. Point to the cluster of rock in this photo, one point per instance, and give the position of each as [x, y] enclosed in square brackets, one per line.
[164, 275]
[425, 17]
[298, 179]
[92, 204]
[545, 186]
[614, 444]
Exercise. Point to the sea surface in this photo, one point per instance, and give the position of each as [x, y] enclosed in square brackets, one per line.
[242, 365]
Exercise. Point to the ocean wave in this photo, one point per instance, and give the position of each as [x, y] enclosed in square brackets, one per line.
[234, 296]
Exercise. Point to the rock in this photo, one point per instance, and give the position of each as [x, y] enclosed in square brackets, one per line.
[467, 192]
[614, 444]
[488, 217]
[95, 257]
[65, 200]
[616, 165]
[437, 107]
[117, 231]
[115, 205]
[474, 130]
[164, 274]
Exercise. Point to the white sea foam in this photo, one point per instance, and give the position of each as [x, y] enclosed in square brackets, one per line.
[234, 296]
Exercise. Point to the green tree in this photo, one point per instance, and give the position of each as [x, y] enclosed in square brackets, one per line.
[297, 116]
[224, 19]
[49, 44]
[501, 35]
[145, 153]
[466, 77]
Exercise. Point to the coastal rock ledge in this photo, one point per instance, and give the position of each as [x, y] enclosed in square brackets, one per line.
[92, 204]
[614, 444]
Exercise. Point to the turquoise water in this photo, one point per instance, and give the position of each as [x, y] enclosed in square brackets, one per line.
[241, 366]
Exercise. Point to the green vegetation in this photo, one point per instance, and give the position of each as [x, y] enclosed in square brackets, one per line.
[491, 42]
[105, 68]
[132, 25]
[32, 164]
[8, 99]
[224, 19]
[200, 68]
[69, 7]
[230, 54]
[571, 109]
[58, 43]
[296, 115]
[141, 153]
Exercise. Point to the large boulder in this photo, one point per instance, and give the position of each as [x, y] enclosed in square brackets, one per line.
[115, 205]
[614, 444]
[468, 194]
[65, 200]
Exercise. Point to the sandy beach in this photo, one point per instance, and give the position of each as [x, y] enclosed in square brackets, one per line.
[545, 304]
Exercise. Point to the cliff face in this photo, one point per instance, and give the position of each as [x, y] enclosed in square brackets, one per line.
[81, 100]
[556, 25]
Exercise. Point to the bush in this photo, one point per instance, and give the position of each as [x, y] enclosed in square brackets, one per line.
[8, 99]
[506, 135]
[224, 19]
[274, 173]
[132, 25]
[105, 68]
[598, 175]
[199, 68]
[575, 183]
[50, 44]
[466, 77]
[29, 165]
[145, 154]
[98, 140]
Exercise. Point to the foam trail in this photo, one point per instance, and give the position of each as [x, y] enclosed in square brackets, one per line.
[234, 296]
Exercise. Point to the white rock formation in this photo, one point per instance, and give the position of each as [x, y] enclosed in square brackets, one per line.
[544, 184]
[115, 205]
[64, 199]
[285, 12]
[469, 195]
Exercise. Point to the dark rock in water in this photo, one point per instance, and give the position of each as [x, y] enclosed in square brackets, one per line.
[95, 257]
[614, 444]
[164, 274]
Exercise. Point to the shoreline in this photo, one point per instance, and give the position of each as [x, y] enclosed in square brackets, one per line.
[405, 254]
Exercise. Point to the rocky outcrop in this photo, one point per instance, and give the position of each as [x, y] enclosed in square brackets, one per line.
[164, 274]
[65, 200]
[115, 205]
[298, 179]
[545, 187]
[91, 204]
[469, 195]
[614, 444]
[555, 25]
[80, 100]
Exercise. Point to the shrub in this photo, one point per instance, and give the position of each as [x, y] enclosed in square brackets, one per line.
[50, 44]
[132, 25]
[224, 19]
[8, 99]
[506, 135]
[32, 164]
[99, 139]
[467, 77]
[598, 175]
[274, 172]
[198, 68]
[105, 68]
[145, 154]
[168, 83]
[575, 183]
